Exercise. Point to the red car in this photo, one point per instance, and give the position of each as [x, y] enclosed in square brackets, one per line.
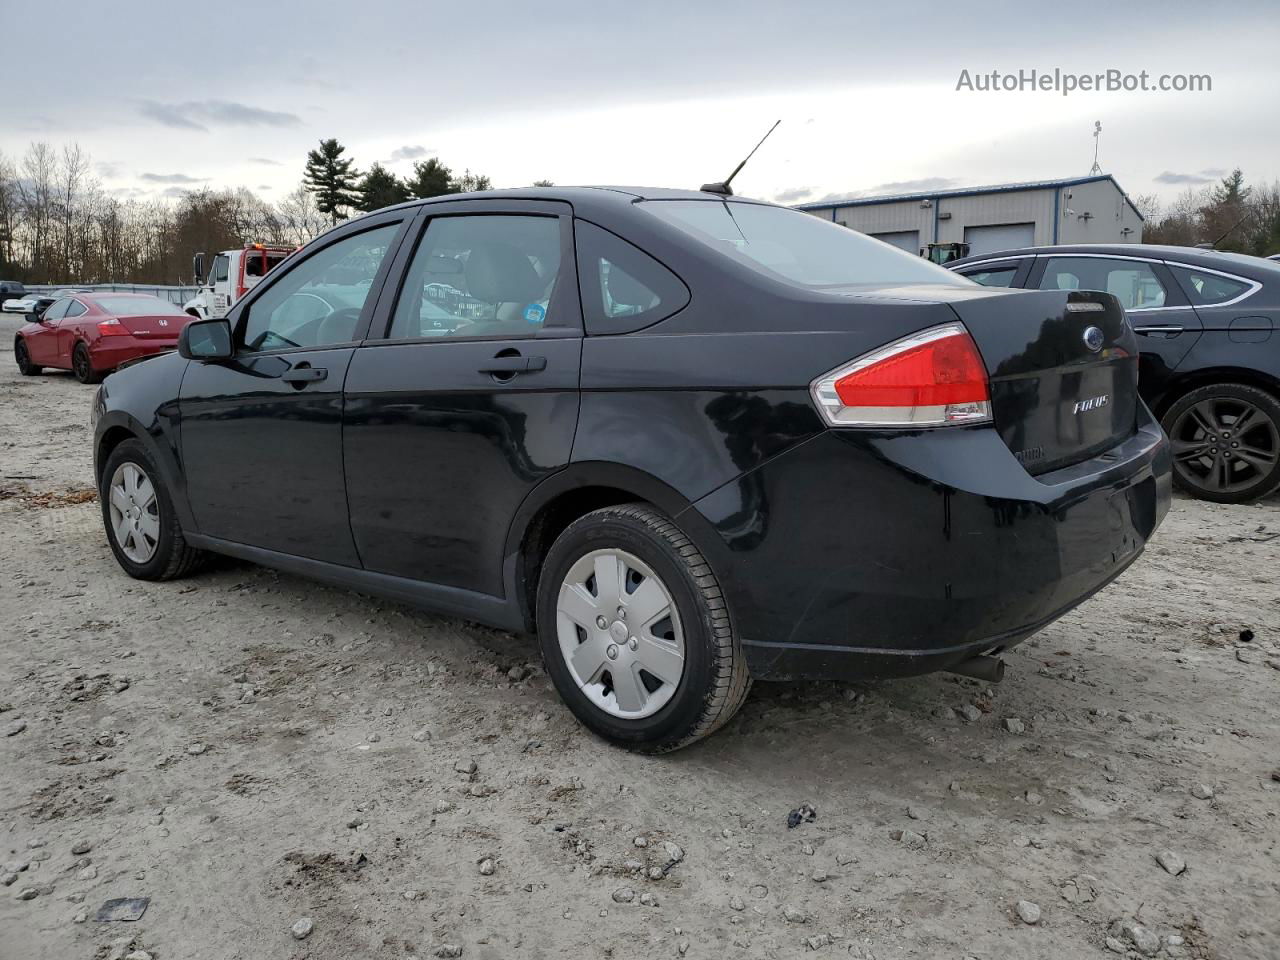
[91, 334]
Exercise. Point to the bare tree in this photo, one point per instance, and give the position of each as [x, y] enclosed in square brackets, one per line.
[300, 217]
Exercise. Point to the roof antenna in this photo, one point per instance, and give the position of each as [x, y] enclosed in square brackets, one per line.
[723, 187]
[1230, 231]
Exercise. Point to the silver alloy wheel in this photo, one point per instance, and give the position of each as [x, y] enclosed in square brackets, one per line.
[620, 634]
[135, 512]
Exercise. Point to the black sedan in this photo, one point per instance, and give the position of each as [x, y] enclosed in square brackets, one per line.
[688, 440]
[1208, 326]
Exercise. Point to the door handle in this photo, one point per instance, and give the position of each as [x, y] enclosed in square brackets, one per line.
[514, 365]
[303, 375]
[1169, 329]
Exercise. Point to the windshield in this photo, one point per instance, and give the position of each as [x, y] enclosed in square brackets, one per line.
[797, 246]
[138, 306]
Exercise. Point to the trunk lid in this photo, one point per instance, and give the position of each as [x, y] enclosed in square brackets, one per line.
[1063, 372]
[154, 326]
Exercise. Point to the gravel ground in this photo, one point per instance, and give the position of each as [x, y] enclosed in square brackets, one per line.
[289, 770]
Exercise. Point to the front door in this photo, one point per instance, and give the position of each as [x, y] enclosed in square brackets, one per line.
[262, 433]
[472, 397]
[42, 346]
[1162, 318]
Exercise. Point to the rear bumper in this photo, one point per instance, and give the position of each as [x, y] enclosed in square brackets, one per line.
[857, 555]
[107, 353]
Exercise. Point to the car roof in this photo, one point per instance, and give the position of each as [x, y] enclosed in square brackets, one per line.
[583, 194]
[1240, 263]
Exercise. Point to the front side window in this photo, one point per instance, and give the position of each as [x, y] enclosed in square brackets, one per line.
[480, 276]
[1132, 282]
[623, 288]
[318, 303]
[1206, 289]
[998, 277]
[795, 246]
[58, 310]
[219, 273]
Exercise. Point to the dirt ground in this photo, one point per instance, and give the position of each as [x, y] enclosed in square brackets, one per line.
[248, 749]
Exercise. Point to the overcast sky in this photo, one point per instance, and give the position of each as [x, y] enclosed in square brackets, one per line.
[171, 96]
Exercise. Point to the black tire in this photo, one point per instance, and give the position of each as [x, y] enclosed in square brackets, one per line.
[173, 558]
[82, 366]
[714, 682]
[23, 358]
[1211, 459]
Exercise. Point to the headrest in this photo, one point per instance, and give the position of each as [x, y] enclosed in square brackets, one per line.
[499, 273]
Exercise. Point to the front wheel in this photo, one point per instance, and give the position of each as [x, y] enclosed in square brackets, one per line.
[635, 631]
[23, 358]
[1226, 442]
[142, 527]
[82, 366]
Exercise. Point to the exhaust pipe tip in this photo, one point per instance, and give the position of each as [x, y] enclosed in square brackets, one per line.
[982, 667]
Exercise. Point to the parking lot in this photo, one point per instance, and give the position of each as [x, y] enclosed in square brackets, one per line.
[247, 749]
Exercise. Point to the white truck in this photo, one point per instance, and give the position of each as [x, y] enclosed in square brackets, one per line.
[232, 274]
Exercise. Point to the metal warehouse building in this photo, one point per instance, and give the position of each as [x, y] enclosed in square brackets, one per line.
[1077, 210]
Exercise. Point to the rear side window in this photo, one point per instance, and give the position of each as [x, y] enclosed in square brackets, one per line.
[1132, 282]
[623, 288]
[1206, 289]
[258, 263]
[1001, 277]
[75, 309]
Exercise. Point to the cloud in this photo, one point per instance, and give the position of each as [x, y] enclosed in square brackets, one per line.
[914, 186]
[266, 161]
[109, 169]
[175, 192]
[1215, 172]
[203, 114]
[264, 186]
[1194, 179]
[792, 194]
[409, 153]
[170, 178]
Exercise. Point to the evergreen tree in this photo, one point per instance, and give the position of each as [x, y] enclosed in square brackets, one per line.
[1231, 191]
[381, 188]
[330, 177]
[430, 178]
[543, 183]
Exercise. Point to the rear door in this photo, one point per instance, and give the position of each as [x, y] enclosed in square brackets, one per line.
[471, 397]
[1160, 315]
[262, 432]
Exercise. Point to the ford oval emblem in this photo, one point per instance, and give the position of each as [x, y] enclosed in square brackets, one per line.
[1093, 339]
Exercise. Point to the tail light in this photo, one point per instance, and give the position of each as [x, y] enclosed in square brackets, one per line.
[112, 328]
[930, 379]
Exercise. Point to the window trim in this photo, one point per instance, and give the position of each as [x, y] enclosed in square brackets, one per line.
[565, 303]
[1252, 286]
[239, 314]
[84, 309]
[1255, 285]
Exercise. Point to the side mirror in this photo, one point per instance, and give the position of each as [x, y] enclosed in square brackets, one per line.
[197, 268]
[208, 340]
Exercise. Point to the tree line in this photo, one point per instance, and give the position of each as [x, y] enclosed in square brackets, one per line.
[1229, 215]
[59, 225]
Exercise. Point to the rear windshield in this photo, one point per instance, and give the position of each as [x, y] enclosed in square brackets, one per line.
[797, 246]
[138, 306]
[257, 265]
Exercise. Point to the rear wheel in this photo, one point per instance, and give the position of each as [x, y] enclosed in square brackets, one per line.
[142, 527]
[1226, 442]
[635, 631]
[82, 367]
[23, 357]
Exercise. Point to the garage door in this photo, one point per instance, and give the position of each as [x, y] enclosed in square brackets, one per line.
[999, 236]
[908, 240]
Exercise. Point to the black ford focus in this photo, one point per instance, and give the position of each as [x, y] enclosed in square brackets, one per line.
[687, 439]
